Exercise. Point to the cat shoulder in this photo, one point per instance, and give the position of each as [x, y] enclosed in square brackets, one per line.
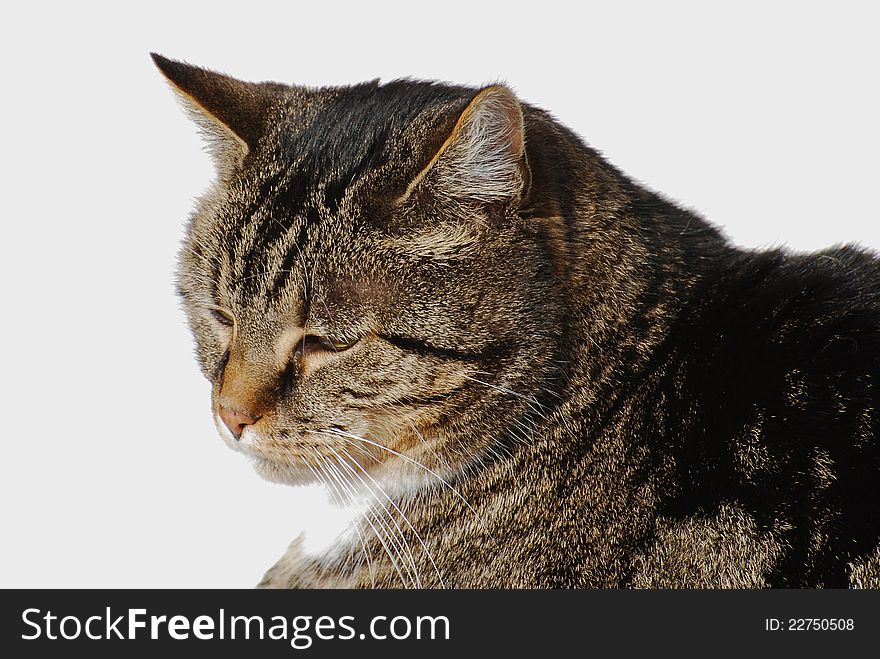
[767, 309]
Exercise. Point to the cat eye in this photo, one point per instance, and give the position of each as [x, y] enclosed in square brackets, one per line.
[222, 317]
[335, 343]
[311, 344]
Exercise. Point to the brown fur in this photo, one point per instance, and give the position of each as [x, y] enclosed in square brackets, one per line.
[547, 376]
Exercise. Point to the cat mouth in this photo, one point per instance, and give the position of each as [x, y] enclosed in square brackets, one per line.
[271, 463]
[251, 444]
[295, 458]
[248, 443]
[226, 435]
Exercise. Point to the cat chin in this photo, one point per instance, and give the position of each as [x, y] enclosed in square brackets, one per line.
[283, 475]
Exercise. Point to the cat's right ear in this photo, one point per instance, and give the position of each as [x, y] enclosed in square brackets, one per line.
[231, 112]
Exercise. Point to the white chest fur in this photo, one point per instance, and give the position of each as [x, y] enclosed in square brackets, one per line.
[325, 526]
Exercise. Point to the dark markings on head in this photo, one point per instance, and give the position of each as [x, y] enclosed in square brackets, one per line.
[426, 349]
[367, 128]
[250, 216]
[295, 255]
[374, 157]
[277, 217]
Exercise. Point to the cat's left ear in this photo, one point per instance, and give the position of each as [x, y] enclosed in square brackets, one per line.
[483, 160]
[231, 112]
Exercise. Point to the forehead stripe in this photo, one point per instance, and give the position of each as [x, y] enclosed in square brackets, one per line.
[294, 255]
[277, 217]
[249, 216]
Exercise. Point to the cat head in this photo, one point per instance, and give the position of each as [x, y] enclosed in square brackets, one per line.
[369, 298]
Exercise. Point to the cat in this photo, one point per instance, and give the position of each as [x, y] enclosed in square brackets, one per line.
[514, 366]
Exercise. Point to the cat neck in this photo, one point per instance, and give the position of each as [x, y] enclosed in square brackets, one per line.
[630, 260]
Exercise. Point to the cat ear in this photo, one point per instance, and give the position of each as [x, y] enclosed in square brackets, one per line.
[483, 159]
[231, 112]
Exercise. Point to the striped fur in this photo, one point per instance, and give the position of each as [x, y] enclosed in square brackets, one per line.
[515, 365]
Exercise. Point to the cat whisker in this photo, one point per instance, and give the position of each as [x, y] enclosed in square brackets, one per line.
[362, 450]
[425, 444]
[402, 539]
[349, 437]
[532, 402]
[322, 479]
[397, 508]
[391, 517]
[383, 539]
[366, 554]
[401, 543]
[505, 390]
[398, 538]
[551, 393]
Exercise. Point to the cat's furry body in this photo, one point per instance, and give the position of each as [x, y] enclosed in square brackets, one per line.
[601, 390]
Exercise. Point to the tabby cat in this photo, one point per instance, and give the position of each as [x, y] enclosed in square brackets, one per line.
[514, 366]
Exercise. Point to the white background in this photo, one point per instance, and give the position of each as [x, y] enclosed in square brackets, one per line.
[762, 116]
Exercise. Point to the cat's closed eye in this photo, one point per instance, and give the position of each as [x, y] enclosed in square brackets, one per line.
[222, 317]
[335, 343]
[312, 343]
[313, 346]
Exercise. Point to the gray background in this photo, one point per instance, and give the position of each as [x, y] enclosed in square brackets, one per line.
[762, 116]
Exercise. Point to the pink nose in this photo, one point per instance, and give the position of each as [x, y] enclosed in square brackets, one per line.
[235, 421]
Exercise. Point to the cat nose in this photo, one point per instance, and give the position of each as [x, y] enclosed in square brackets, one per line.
[235, 421]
